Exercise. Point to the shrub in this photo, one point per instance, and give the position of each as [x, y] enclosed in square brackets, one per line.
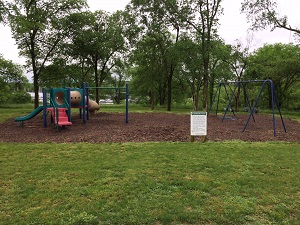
[20, 97]
[4, 93]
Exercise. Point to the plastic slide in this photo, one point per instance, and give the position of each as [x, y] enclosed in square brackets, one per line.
[76, 99]
[31, 115]
[93, 106]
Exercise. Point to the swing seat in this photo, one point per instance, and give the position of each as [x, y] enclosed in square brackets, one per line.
[247, 109]
[229, 110]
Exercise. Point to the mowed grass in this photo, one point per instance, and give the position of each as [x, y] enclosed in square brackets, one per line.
[150, 183]
[14, 110]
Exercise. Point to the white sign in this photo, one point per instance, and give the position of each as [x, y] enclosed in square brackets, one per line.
[198, 123]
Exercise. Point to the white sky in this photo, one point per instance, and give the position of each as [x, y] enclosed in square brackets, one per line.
[233, 25]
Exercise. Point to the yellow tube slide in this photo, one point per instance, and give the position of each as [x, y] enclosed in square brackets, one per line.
[76, 99]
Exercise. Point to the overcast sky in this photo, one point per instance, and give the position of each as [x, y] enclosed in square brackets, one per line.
[233, 25]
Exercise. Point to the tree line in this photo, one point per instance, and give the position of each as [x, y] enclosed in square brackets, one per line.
[169, 50]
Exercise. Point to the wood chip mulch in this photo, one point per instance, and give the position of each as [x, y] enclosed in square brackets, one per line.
[148, 127]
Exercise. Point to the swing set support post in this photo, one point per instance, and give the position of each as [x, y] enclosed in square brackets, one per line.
[274, 100]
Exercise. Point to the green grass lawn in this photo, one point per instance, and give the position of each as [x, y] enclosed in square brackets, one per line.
[150, 183]
[14, 110]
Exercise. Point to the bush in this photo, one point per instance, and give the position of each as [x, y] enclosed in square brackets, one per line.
[20, 97]
[4, 93]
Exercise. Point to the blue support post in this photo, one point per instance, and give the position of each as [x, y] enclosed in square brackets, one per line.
[252, 109]
[273, 111]
[84, 103]
[278, 107]
[87, 101]
[127, 102]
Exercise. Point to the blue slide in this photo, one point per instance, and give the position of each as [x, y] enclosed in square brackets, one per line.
[31, 115]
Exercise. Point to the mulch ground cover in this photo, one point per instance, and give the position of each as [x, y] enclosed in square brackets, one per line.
[148, 127]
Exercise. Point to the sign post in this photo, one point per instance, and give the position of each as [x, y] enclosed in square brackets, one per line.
[198, 125]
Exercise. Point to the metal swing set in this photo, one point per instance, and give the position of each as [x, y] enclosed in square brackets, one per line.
[252, 109]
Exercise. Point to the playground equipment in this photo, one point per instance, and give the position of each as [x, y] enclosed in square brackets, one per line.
[252, 109]
[59, 101]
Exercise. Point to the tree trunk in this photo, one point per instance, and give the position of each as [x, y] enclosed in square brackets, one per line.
[196, 101]
[238, 94]
[211, 88]
[206, 59]
[162, 94]
[36, 89]
[35, 80]
[205, 85]
[170, 77]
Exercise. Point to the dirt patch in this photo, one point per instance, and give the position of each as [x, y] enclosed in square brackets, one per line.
[148, 127]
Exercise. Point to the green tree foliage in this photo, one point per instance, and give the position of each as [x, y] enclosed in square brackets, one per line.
[192, 72]
[280, 63]
[20, 97]
[11, 78]
[12, 74]
[237, 60]
[294, 99]
[59, 73]
[150, 59]
[156, 17]
[38, 27]
[119, 79]
[202, 17]
[219, 69]
[2, 11]
[264, 13]
[98, 40]
[197, 19]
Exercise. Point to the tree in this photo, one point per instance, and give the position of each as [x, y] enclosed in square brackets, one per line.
[38, 27]
[151, 61]
[263, 14]
[202, 18]
[280, 63]
[59, 73]
[191, 70]
[12, 74]
[74, 51]
[219, 69]
[11, 78]
[238, 62]
[2, 11]
[161, 16]
[119, 80]
[99, 40]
